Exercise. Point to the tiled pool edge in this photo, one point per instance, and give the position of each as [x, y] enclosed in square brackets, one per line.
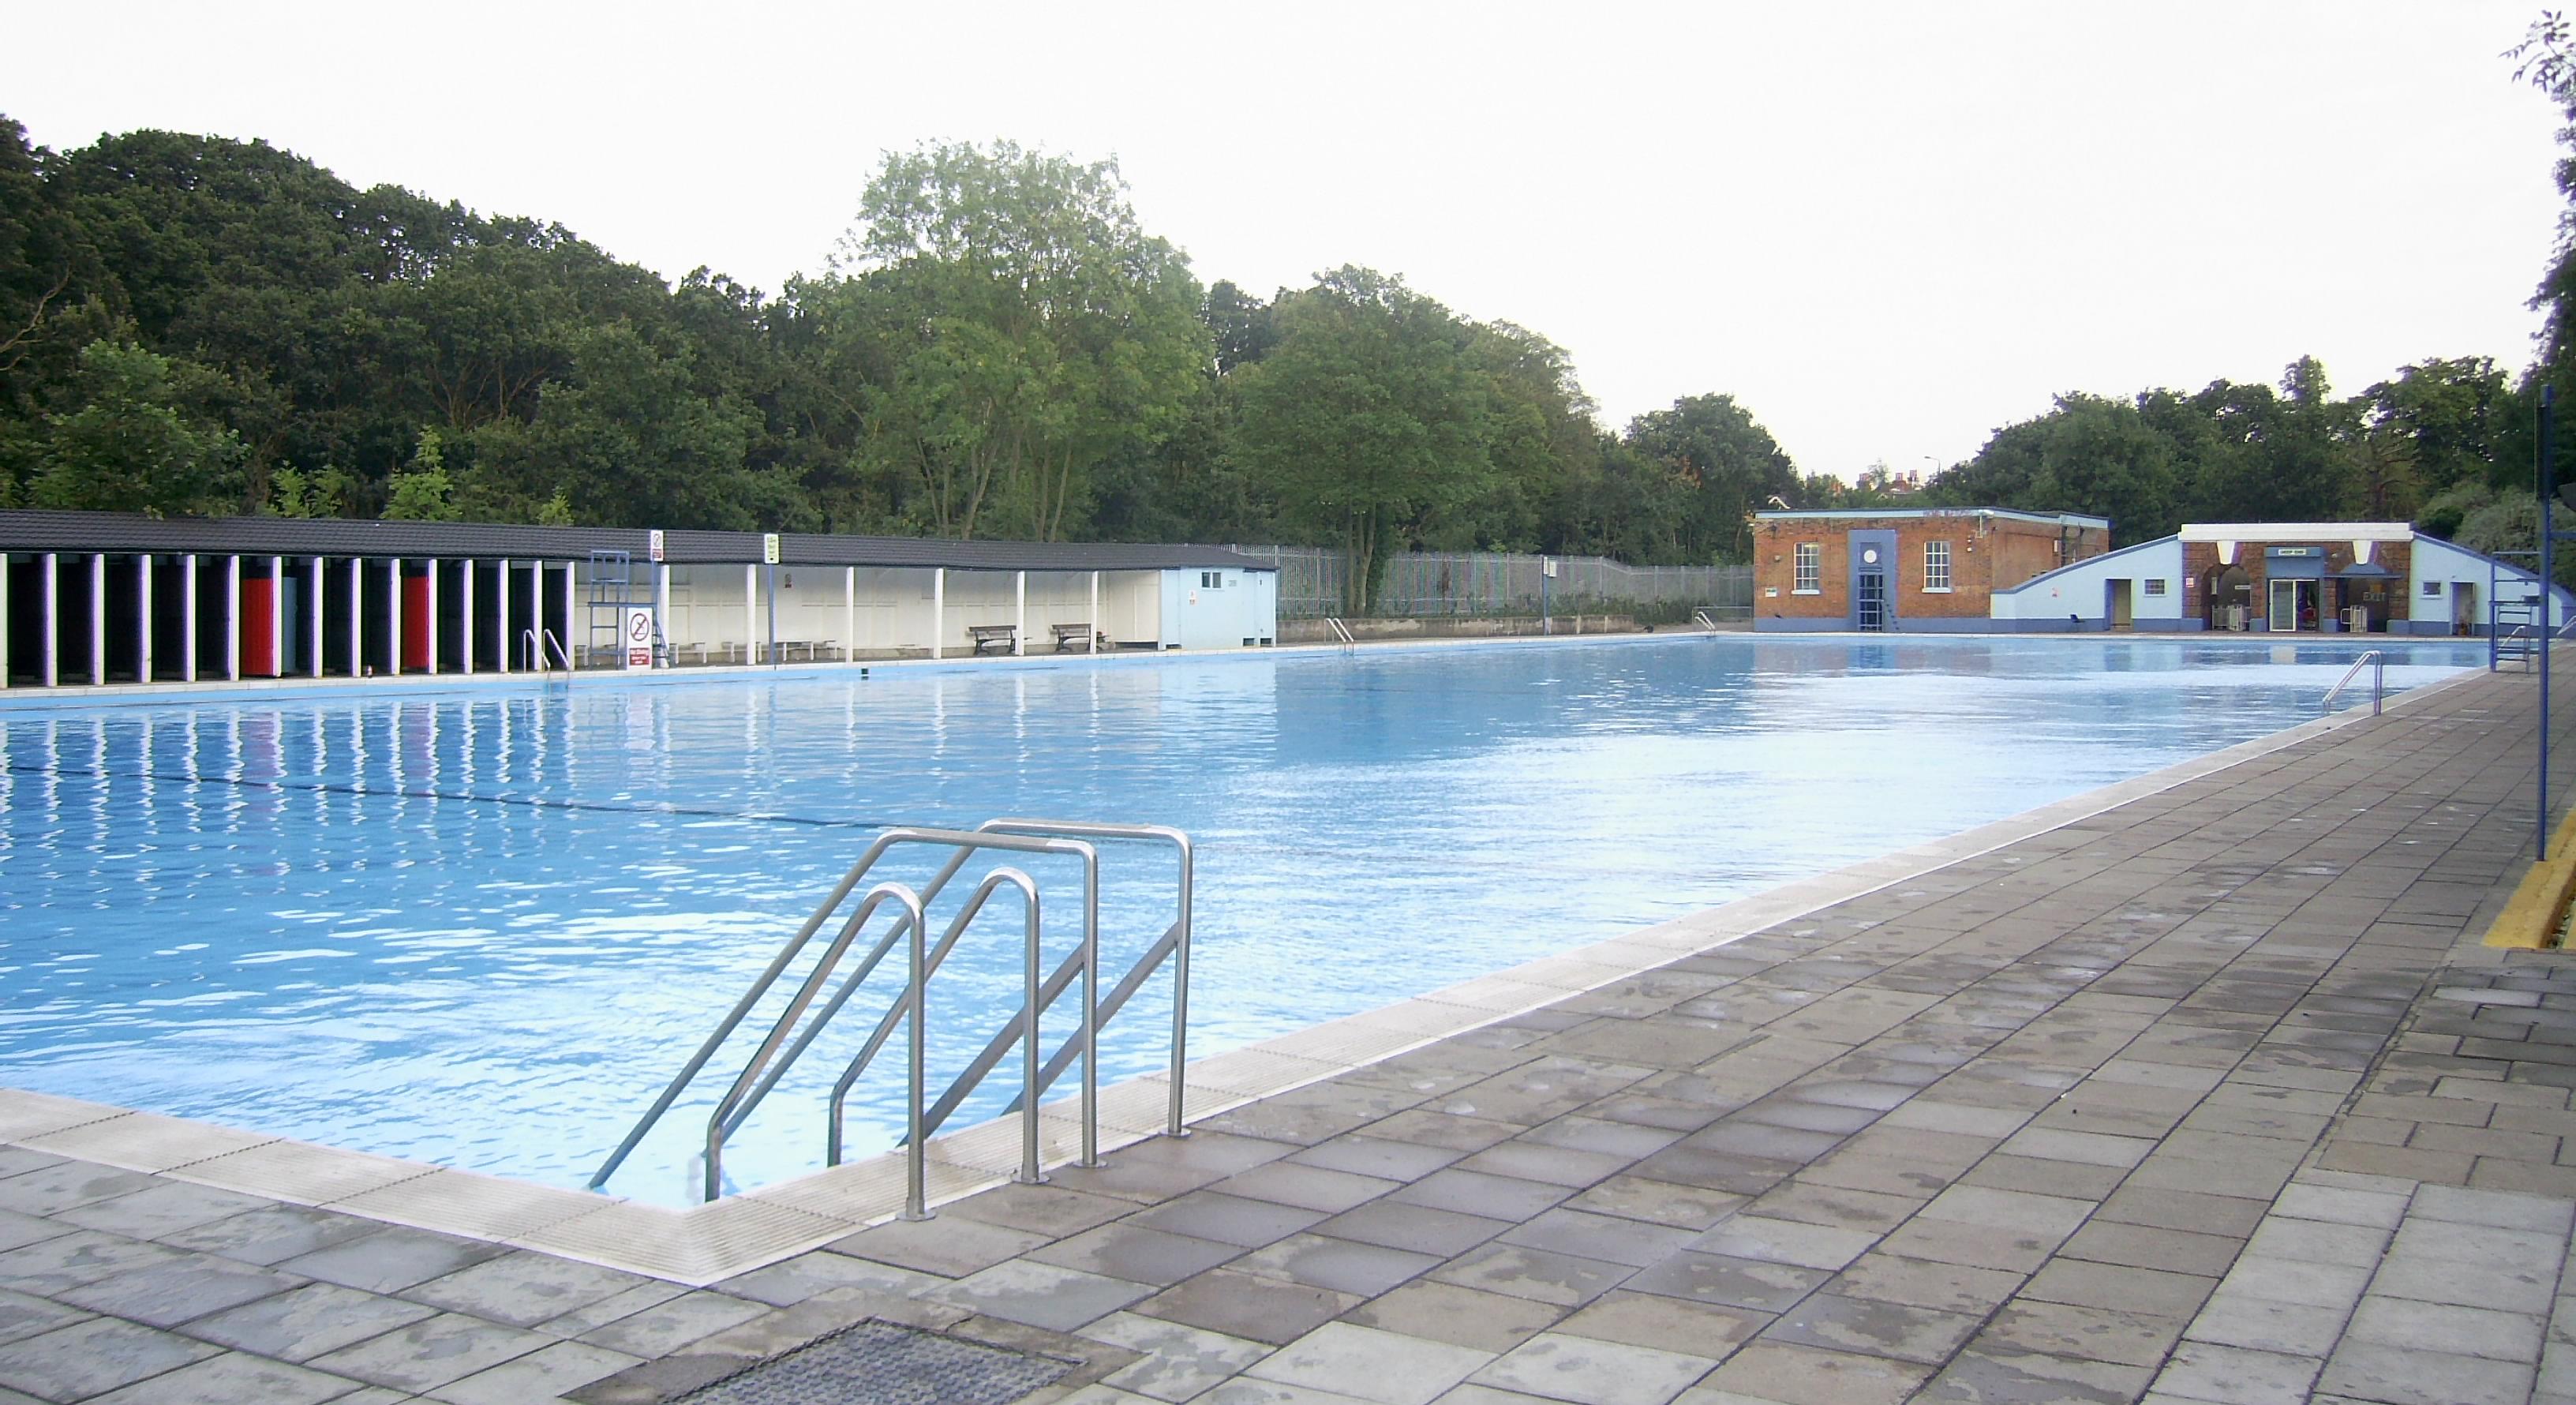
[704, 1244]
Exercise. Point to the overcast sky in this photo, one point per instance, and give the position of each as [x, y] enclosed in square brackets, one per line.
[1885, 228]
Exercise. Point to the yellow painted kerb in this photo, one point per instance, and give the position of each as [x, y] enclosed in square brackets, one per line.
[2530, 918]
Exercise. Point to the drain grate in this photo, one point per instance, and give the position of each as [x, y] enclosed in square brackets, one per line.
[875, 1363]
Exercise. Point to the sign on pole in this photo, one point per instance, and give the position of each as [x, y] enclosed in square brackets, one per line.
[639, 636]
[1547, 567]
[769, 548]
[654, 540]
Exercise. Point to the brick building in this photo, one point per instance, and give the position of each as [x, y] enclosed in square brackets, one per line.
[1911, 569]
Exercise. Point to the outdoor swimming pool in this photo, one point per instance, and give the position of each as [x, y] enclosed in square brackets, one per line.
[482, 928]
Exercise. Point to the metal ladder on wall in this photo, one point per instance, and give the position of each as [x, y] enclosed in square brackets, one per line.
[612, 594]
[1040, 990]
[540, 652]
[2374, 660]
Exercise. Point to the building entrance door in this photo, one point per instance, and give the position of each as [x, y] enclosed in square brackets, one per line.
[1869, 600]
[2293, 606]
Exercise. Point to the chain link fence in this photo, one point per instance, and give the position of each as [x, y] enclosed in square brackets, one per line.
[1426, 584]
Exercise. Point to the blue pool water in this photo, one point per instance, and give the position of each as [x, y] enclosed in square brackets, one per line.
[481, 928]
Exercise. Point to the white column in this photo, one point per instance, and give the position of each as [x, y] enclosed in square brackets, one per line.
[465, 619]
[662, 608]
[394, 618]
[142, 621]
[938, 608]
[502, 607]
[849, 614]
[1019, 613]
[1091, 631]
[277, 617]
[357, 617]
[53, 637]
[429, 617]
[232, 618]
[314, 664]
[4, 619]
[750, 614]
[187, 617]
[98, 619]
[565, 643]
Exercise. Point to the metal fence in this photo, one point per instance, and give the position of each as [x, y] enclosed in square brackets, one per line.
[1432, 583]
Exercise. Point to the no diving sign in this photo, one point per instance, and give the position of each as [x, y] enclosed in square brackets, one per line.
[639, 637]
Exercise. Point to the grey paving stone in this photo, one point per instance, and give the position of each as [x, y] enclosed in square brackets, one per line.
[17, 1231]
[522, 1289]
[1177, 1361]
[2466, 1331]
[1137, 1254]
[233, 1376]
[1592, 1236]
[390, 1259]
[25, 1315]
[2079, 1334]
[160, 1209]
[305, 1322]
[1339, 1264]
[2234, 1318]
[2317, 1241]
[668, 1327]
[1237, 1304]
[2505, 1285]
[1767, 1371]
[1051, 1210]
[1367, 1364]
[1665, 1323]
[1305, 1187]
[271, 1234]
[2401, 1376]
[1924, 1283]
[1479, 1193]
[1419, 1228]
[1731, 1282]
[93, 1357]
[50, 1190]
[616, 1306]
[167, 1294]
[2119, 1288]
[2032, 1378]
[1564, 1280]
[1445, 1312]
[1556, 1165]
[1214, 1215]
[951, 1246]
[792, 1281]
[430, 1353]
[1377, 1157]
[1874, 1328]
[1041, 1295]
[543, 1374]
[1589, 1371]
[83, 1256]
[1747, 1236]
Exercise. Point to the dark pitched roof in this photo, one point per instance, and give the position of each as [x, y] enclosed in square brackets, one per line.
[121, 533]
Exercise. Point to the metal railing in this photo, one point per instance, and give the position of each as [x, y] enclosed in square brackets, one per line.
[2377, 662]
[1341, 632]
[769, 1064]
[1700, 618]
[533, 646]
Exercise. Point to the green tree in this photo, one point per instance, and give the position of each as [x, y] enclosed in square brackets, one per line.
[423, 492]
[1368, 419]
[1728, 467]
[1050, 334]
[137, 440]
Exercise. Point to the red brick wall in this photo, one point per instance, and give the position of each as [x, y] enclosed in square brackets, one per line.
[1985, 554]
[2395, 595]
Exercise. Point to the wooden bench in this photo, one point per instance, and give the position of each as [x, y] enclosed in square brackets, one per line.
[993, 638]
[1067, 634]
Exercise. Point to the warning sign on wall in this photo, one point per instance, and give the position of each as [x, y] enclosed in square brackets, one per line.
[639, 637]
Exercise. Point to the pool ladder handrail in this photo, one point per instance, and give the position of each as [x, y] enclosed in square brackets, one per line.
[532, 651]
[2377, 661]
[1700, 618]
[1024, 835]
[1341, 633]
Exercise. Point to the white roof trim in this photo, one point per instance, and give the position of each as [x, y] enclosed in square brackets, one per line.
[2297, 531]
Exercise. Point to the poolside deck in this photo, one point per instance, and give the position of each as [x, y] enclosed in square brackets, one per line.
[2210, 1096]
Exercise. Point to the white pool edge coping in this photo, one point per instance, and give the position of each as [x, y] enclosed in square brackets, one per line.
[705, 1244]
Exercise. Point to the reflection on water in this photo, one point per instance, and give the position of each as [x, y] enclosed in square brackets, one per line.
[482, 930]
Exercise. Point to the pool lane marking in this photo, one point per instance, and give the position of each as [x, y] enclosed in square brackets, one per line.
[532, 802]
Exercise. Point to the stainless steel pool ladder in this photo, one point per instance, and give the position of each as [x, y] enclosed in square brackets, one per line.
[1700, 618]
[2377, 662]
[769, 1064]
[534, 647]
[1341, 633]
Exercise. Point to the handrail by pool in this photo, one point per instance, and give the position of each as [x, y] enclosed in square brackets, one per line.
[2378, 663]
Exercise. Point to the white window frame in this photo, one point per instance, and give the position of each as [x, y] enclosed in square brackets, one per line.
[2433, 590]
[1936, 571]
[1807, 563]
[2156, 587]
